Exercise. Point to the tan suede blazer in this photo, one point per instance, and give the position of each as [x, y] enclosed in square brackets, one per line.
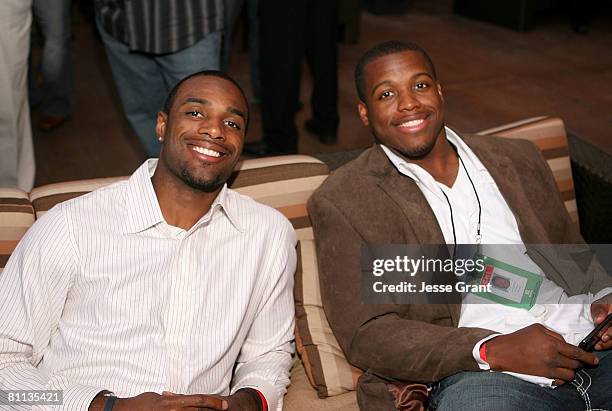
[367, 201]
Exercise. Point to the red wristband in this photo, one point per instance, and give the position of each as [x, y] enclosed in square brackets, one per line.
[483, 352]
[264, 403]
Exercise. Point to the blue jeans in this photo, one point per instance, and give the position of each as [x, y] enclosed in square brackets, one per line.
[144, 80]
[495, 391]
[55, 96]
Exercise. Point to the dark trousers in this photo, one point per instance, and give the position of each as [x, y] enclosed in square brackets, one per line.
[290, 31]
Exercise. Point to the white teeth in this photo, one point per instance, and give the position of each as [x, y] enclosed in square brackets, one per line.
[412, 123]
[206, 151]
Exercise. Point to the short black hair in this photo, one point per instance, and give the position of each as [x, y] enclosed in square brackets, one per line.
[384, 49]
[210, 73]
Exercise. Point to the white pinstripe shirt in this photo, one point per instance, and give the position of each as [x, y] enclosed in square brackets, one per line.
[101, 293]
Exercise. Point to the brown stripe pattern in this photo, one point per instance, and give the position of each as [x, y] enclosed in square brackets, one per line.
[17, 216]
[15, 205]
[556, 152]
[549, 134]
[324, 362]
[48, 202]
[270, 174]
[3, 260]
[307, 350]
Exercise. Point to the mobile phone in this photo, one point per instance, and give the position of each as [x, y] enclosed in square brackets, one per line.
[592, 339]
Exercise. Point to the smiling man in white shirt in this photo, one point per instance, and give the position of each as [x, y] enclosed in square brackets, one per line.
[423, 183]
[165, 291]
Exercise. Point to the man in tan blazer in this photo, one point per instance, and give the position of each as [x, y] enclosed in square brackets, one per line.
[395, 193]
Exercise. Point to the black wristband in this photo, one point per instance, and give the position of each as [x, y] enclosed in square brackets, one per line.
[110, 403]
[253, 394]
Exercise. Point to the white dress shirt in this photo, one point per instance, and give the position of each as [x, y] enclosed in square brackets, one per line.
[102, 293]
[568, 316]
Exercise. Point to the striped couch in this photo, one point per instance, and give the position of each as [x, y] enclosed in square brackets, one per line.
[285, 183]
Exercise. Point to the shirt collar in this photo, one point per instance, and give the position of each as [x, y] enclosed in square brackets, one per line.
[227, 202]
[143, 210]
[417, 172]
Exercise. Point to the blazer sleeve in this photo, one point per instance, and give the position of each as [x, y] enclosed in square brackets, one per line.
[388, 340]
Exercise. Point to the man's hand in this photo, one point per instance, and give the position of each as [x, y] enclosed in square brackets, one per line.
[239, 401]
[150, 401]
[599, 311]
[535, 350]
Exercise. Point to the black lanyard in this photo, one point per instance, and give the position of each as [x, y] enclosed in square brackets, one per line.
[478, 236]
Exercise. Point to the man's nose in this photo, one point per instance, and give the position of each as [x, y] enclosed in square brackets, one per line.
[212, 128]
[407, 101]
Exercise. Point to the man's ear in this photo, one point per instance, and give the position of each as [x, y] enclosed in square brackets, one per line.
[363, 113]
[440, 92]
[160, 127]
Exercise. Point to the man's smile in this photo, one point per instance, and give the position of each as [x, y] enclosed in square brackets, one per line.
[412, 123]
[207, 151]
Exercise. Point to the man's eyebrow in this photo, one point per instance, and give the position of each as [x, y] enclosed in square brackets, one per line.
[203, 101]
[195, 100]
[424, 73]
[237, 112]
[378, 85]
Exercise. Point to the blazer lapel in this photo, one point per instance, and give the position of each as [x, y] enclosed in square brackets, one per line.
[420, 221]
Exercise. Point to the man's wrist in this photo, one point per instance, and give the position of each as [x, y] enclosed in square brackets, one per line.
[477, 352]
[483, 353]
[110, 402]
[99, 401]
[493, 358]
[250, 399]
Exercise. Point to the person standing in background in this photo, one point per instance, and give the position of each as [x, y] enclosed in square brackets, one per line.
[151, 45]
[17, 167]
[232, 12]
[52, 17]
[288, 33]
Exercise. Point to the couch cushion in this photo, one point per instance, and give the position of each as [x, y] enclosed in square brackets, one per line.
[324, 362]
[549, 134]
[16, 216]
[301, 397]
[283, 182]
[45, 197]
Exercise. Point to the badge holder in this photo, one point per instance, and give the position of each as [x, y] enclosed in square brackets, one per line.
[509, 285]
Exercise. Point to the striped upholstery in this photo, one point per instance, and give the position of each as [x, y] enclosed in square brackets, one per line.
[549, 134]
[45, 197]
[16, 216]
[301, 396]
[324, 362]
[285, 183]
